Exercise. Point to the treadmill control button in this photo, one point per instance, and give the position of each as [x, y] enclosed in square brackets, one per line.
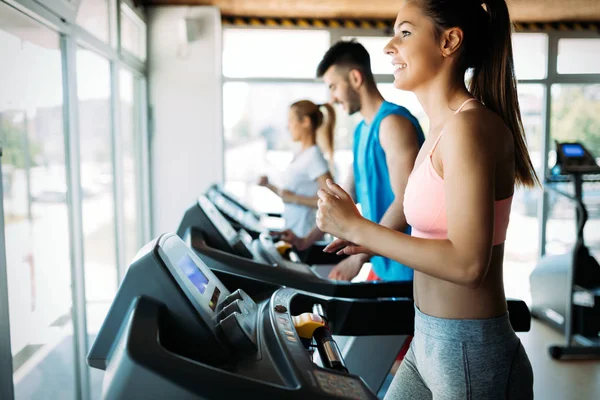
[280, 308]
[238, 332]
[339, 385]
[291, 338]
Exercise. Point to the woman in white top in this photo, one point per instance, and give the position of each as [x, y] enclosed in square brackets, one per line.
[309, 170]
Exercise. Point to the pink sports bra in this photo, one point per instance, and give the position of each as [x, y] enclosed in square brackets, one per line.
[425, 202]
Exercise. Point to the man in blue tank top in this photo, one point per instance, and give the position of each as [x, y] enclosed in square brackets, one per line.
[386, 144]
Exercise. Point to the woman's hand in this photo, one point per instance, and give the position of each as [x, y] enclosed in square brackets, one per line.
[337, 214]
[344, 247]
[290, 237]
[263, 181]
[287, 196]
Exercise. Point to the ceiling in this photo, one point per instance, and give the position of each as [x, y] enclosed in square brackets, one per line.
[521, 10]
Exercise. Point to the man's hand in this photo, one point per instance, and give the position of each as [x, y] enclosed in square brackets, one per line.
[347, 269]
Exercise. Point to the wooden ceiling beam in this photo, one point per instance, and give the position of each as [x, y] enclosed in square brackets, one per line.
[521, 10]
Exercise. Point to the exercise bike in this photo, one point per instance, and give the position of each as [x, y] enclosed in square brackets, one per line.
[565, 289]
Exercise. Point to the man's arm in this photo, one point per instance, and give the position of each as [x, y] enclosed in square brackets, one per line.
[398, 138]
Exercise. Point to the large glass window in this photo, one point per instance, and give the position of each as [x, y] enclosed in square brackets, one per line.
[575, 117]
[578, 56]
[381, 63]
[98, 208]
[521, 247]
[133, 32]
[36, 218]
[273, 53]
[131, 107]
[93, 16]
[530, 52]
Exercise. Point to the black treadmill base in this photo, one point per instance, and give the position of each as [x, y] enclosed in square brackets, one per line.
[574, 352]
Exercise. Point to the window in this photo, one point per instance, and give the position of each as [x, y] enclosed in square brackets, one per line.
[36, 220]
[93, 16]
[93, 84]
[575, 117]
[521, 247]
[133, 33]
[579, 56]
[381, 63]
[98, 196]
[131, 136]
[273, 53]
[530, 53]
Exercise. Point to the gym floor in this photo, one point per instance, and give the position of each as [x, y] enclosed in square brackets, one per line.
[576, 380]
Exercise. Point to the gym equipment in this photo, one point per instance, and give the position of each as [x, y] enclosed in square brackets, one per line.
[223, 248]
[565, 289]
[239, 215]
[176, 331]
[242, 217]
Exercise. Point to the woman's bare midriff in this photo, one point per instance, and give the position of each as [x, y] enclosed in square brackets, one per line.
[443, 299]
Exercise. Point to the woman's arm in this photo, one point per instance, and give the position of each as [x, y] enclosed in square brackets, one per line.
[308, 201]
[467, 154]
[264, 182]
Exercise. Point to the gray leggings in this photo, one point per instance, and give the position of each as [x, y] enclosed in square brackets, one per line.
[463, 359]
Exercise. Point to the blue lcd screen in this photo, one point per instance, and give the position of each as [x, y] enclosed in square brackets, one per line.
[573, 150]
[191, 270]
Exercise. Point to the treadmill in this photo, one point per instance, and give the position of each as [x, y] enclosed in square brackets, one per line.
[177, 331]
[223, 248]
[237, 213]
[227, 251]
[241, 216]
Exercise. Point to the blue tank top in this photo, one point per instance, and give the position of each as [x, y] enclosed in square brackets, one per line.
[372, 182]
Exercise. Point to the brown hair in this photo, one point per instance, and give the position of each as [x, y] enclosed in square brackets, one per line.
[322, 126]
[487, 49]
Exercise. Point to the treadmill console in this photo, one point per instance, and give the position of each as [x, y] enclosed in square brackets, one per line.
[227, 314]
[575, 158]
[175, 331]
[270, 252]
[234, 210]
[240, 241]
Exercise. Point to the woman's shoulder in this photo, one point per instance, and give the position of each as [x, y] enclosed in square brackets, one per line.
[477, 126]
[478, 120]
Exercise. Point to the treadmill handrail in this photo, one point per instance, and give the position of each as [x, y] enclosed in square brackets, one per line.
[581, 214]
[312, 282]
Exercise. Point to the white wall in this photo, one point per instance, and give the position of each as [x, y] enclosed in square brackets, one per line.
[185, 91]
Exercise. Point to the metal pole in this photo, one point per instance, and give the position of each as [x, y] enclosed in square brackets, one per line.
[6, 367]
[27, 159]
[82, 377]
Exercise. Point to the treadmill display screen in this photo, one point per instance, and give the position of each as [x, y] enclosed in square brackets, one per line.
[573, 150]
[191, 270]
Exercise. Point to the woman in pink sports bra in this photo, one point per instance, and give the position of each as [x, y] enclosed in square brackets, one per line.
[457, 201]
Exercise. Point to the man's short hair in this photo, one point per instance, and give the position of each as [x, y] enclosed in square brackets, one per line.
[347, 53]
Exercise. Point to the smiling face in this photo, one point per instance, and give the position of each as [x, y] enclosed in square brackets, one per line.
[415, 48]
[343, 87]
